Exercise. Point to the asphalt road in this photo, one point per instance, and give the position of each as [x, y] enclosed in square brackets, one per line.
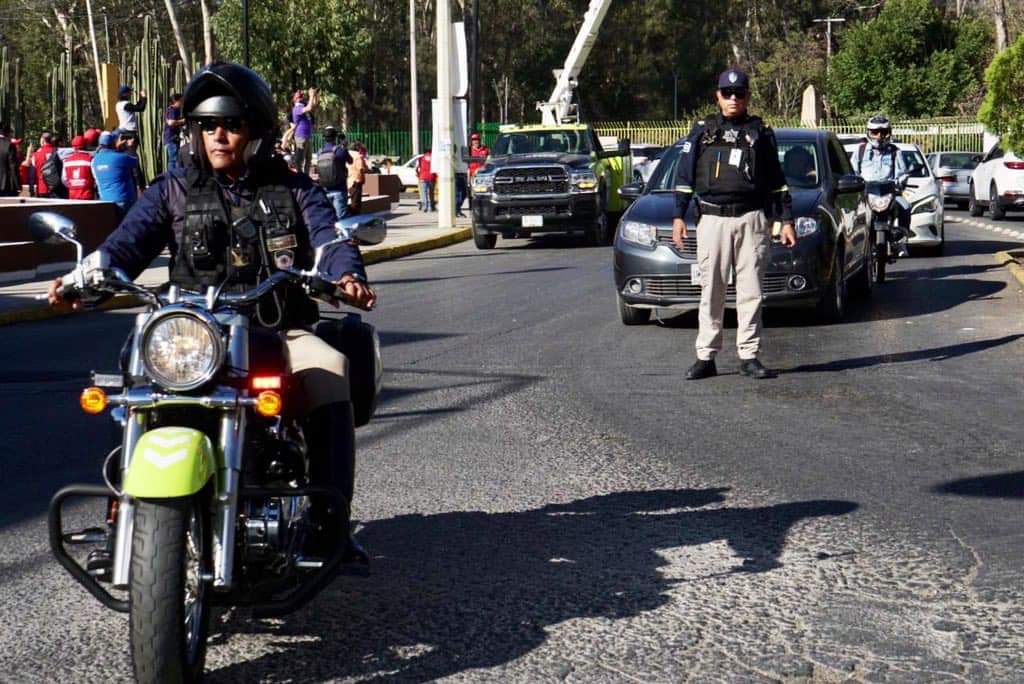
[546, 499]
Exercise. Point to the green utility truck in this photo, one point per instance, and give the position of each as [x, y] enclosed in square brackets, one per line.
[548, 178]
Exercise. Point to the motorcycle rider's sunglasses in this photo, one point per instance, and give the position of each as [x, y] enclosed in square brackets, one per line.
[231, 124]
[738, 93]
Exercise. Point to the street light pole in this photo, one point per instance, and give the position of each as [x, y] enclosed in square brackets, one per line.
[245, 32]
[413, 97]
[442, 161]
[828, 39]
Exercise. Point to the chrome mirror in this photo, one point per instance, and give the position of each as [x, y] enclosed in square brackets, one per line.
[49, 227]
[366, 230]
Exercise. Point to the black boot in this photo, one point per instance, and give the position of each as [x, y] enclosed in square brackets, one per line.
[702, 369]
[752, 368]
[331, 441]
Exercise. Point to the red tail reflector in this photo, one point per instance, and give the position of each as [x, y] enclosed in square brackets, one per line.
[947, 179]
[1016, 165]
[266, 382]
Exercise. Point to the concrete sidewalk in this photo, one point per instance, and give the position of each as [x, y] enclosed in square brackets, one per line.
[409, 232]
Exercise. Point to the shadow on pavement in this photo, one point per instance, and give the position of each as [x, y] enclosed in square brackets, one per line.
[971, 247]
[933, 354]
[456, 591]
[1000, 486]
[434, 279]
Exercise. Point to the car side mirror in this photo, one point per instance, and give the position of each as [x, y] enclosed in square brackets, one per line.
[631, 191]
[366, 230]
[849, 183]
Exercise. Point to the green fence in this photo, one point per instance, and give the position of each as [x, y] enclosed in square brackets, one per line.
[947, 133]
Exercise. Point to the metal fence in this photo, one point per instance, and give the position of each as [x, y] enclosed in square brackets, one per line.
[931, 135]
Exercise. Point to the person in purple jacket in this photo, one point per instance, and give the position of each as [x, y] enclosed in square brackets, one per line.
[235, 216]
[302, 105]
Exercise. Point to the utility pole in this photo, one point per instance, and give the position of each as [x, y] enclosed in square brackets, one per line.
[471, 14]
[828, 38]
[245, 32]
[414, 101]
[442, 161]
[675, 95]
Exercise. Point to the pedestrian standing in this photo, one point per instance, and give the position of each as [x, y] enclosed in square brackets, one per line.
[128, 113]
[427, 177]
[10, 185]
[731, 163]
[77, 172]
[40, 159]
[357, 178]
[173, 122]
[115, 174]
[479, 152]
[332, 170]
[302, 105]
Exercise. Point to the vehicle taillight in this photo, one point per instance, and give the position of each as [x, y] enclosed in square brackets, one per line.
[947, 179]
[1015, 165]
[266, 382]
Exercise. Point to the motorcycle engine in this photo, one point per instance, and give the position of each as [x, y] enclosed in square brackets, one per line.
[273, 528]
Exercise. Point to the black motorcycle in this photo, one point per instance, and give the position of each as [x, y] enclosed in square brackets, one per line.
[209, 499]
[885, 231]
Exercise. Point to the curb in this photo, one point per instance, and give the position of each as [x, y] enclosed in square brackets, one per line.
[42, 313]
[1006, 259]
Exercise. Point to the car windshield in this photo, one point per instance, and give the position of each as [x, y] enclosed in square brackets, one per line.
[664, 176]
[533, 142]
[916, 167]
[800, 164]
[960, 161]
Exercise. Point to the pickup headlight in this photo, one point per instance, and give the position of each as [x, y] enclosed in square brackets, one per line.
[583, 180]
[483, 182]
[639, 233]
[880, 203]
[182, 350]
[928, 204]
[806, 226]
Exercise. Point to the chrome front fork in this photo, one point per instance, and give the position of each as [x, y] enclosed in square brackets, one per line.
[232, 437]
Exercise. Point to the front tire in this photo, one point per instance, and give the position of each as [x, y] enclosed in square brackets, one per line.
[832, 306]
[483, 240]
[998, 213]
[864, 283]
[973, 207]
[601, 232]
[632, 315]
[170, 605]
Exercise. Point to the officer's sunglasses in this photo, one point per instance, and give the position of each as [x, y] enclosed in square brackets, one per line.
[231, 124]
[730, 93]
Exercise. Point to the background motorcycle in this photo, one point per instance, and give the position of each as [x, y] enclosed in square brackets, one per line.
[882, 199]
[209, 496]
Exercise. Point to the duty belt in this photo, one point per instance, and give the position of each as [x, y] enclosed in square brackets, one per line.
[728, 210]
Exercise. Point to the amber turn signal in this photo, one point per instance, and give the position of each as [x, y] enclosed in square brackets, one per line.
[269, 404]
[93, 400]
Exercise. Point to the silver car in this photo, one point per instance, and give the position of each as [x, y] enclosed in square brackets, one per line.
[953, 171]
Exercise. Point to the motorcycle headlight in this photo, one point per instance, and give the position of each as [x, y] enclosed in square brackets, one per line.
[583, 179]
[639, 233]
[806, 226]
[181, 350]
[879, 202]
[929, 204]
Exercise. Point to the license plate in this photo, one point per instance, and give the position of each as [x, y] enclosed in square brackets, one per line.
[695, 275]
[533, 221]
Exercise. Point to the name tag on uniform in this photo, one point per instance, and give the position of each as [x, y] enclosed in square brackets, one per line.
[735, 156]
[283, 242]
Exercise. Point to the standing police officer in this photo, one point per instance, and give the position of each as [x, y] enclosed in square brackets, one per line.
[731, 164]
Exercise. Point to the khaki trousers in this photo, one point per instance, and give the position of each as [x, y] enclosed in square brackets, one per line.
[320, 370]
[725, 244]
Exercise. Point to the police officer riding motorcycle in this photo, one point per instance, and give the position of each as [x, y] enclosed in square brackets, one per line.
[880, 163]
[234, 479]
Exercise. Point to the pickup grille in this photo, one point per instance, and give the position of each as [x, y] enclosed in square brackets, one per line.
[539, 180]
[680, 286]
[538, 210]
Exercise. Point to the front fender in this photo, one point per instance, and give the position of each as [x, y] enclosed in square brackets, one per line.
[170, 462]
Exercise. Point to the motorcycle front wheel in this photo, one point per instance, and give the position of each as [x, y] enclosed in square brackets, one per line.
[170, 607]
[881, 262]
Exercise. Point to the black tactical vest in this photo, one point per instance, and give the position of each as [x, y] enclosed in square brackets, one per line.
[728, 162]
[243, 246]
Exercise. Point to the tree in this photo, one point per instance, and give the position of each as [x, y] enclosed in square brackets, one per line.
[1001, 112]
[909, 61]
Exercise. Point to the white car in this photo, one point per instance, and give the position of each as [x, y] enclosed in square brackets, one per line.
[997, 183]
[923, 193]
[645, 160]
[407, 173]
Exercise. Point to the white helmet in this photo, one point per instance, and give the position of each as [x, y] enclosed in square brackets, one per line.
[880, 125]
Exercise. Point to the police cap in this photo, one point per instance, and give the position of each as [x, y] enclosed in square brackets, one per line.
[733, 78]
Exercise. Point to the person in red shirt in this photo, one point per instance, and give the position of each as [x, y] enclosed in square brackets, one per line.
[46, 148]
[477, 149]
[427, 178]
[77, 172]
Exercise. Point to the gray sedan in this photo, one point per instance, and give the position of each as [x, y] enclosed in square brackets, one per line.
[953, 171]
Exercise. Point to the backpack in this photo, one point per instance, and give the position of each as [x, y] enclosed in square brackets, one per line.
[330, 168]
[51, 171]
[860, 157]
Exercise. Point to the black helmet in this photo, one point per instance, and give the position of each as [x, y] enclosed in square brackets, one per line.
[330, 133]
[232, 90]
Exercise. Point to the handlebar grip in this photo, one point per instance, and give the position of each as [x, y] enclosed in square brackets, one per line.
[68, 292]
[326, 288]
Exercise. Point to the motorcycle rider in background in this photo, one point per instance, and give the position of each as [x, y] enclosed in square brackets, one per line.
[879, 159]
[234, 215]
